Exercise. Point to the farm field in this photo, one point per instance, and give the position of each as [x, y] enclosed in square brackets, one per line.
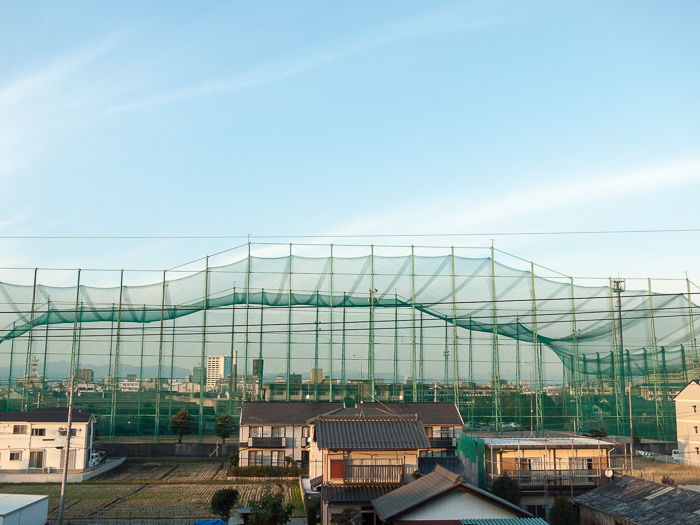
[151, 489]
[656, 470]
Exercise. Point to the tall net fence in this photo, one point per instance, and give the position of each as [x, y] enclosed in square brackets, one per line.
[511, 347]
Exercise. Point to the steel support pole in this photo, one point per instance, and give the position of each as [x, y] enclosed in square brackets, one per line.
[29, 346]
[371, 326]
[396, 343]
[455, 342]
[232, 382]
[518, 405]
[413, 324]
[143, 348]
[421, 362]
[537, 354]
[330, 333]
[80, 338]
[316, 352]
[495, 364]
[471, 372]
[115, 377]
[8, 404]
[156, 430]
[172, 367]
[619, 394]
[693, 341]
[260, 347]
[446, 354]
[342, 353]
[289, 328]
[44, 381]
[659, 405]
[203, 358]
[247, 325]
[575, 371]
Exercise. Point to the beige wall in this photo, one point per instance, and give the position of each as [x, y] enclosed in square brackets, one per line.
[688, 421]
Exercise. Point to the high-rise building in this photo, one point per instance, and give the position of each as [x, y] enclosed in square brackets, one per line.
[316, 375]
[85, 374]
[219, 367]
[258, 366]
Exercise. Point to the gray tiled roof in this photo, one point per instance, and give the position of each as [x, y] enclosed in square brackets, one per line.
[363, 494]
[644, 502]
[293, 413]
[428, 487]
[46, 415]
[426, 465]
[361, 432]
[505, 521]
[432, 414]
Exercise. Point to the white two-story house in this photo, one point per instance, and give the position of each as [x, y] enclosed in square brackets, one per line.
[271, 431]
[36, 441]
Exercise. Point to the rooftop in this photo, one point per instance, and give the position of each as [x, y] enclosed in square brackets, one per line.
[555, 442]
[427, 465]
[432, 414]
[644, 502]
[505, 521]
[438, 482]
[363, 494]
[10, 503]
[293, 413]
[364, 432]
[45, 415]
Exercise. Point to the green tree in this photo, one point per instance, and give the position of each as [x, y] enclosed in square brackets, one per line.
[349, 516]
[270, 509]
[507, 488]
[223, 427]
[182, 424]
[312, 510]
[223, 501]
[562, 513]
[233, 459]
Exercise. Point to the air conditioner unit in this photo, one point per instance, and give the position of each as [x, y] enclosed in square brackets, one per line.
[47, 470]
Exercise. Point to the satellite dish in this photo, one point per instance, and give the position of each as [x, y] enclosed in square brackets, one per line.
[608, 473]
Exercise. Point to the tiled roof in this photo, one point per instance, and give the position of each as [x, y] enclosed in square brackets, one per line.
[364, 411]
[293, 413]
[428, 487]
[344, 494]
[362, 432]
[46, 415]
[426, 465]
[644, 502]
[505, 521]
[315, 482]
[432, 414]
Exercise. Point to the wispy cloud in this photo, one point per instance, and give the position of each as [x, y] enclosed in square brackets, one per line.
[463, 17]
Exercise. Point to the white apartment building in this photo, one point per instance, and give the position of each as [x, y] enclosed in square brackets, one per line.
[688, 420]
[35, 442]
[219, 367]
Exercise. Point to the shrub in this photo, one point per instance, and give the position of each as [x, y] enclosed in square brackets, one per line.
[223, 501]
[312, 509]
[507, 488]
[259, 471]
[270, 509]
[562, 513]
[233, 459]
[597, 433]
[668, 480]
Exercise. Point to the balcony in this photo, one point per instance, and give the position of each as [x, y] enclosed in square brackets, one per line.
[538, 479]
[266, 442]
[442, 442]
[372, 472]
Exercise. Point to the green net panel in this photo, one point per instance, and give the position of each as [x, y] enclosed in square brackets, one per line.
[509, 347]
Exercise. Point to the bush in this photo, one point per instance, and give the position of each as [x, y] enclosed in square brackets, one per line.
[233, 459]
[223, 501]
[668, 480]
[597, 433]
[507, 488]
[259, 471]
[312, 509]
[562, 512]
[270, 509]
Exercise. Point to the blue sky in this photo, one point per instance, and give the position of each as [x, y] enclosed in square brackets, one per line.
[355, 118]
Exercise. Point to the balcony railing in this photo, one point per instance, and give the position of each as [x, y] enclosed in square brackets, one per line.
[367, 472]
[551, 478]
[442, 442]
[266, 442]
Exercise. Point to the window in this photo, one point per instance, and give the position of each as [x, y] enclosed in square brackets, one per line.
[277, 457]
[38, 432]
[36, 459]
[255, 432]
[19, 429]
[255, 457]
[15, 456]
[277, 432]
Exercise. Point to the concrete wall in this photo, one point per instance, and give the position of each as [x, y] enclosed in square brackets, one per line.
[164, 450]
[293, 440]
[57, 477]
[688, 421]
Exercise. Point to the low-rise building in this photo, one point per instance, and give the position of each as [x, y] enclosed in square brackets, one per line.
[36, 441]
[632, 501]
[23, 509]
[271, 431]
[688, 420]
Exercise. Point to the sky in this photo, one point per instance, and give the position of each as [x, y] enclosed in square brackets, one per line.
[336, 119]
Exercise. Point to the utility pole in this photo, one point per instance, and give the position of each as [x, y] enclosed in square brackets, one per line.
[62, 506]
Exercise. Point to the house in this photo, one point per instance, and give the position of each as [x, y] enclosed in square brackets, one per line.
[35, 441]
[271, 431]
[23, 509]
[442, 498]
[688, 420]
[632, 501]
[442, 421]
[359, 455]
[541, 466]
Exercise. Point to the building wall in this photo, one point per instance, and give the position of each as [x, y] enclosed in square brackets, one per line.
[552, 458]
[688, 421]
[458, 506]
[35, 513]
[294, 442]
[321, 463]
[589, 516]
[26, 443]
